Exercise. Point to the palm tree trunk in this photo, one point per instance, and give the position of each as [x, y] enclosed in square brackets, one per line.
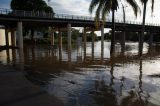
[141, 40]
[113, 31]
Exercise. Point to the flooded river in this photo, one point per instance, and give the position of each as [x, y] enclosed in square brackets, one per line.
[85, 78]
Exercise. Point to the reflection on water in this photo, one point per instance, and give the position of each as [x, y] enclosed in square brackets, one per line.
[81, 77]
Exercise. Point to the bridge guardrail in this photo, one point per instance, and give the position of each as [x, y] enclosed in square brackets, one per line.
[42, 14]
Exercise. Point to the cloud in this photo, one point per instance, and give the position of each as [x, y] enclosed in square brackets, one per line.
[150, 17]
[78, 7]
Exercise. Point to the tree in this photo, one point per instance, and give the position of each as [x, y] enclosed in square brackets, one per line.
[144, 2]
[31, 5]
[104, 7]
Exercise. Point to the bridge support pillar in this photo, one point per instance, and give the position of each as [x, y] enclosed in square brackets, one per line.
[102, 41]
[6, 37]
[13, 38]
[150, 40]
[60, 39]
[93, 39]
[60, 45]
[84, 41]
[69, 36]
[20, 36]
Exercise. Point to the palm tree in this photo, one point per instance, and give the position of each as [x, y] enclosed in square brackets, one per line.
[104, 7]
[144, 2]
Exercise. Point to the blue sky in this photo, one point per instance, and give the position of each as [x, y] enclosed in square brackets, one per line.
[80, 7]
[5, 3]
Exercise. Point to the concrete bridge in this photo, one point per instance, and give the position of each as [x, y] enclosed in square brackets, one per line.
[32, 18]
[16, 20]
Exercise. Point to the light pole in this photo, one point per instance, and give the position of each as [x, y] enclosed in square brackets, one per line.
[48, 1]
[124, 14]
[124, 34]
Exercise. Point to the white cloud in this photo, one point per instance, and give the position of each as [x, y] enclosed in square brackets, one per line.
[150, 17]
[80, 7]
[76, 7]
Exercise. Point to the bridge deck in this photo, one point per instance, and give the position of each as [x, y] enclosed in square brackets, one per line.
[33, 19]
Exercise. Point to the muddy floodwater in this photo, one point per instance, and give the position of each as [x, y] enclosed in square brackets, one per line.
[85, 77]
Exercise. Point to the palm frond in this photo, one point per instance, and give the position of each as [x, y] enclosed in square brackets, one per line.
[93, 4]
[106, 9]
[134, 6]
[152, 5]
[143, 1]
[98, 11]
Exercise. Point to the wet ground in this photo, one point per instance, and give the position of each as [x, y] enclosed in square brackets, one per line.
[83, 77]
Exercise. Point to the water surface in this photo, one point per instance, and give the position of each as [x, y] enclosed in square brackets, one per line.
[89, 78]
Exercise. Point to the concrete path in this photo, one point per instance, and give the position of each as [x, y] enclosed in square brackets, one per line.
[16, 90]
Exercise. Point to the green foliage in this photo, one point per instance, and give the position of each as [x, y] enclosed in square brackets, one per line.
[133, 36]
[75, 33]
[46, 35]
[107, 36]
[37, 41]
[90, 35]
[130, 36]
[31, 5]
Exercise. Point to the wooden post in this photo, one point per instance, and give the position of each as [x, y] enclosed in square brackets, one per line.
[93, 39]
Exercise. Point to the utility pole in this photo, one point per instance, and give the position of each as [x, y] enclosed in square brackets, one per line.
[124, 34]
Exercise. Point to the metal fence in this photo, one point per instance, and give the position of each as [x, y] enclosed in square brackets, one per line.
[42, 14]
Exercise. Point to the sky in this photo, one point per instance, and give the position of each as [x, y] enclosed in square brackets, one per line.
[80, 7]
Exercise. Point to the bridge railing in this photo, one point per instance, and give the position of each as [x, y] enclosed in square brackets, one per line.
[42, 14]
